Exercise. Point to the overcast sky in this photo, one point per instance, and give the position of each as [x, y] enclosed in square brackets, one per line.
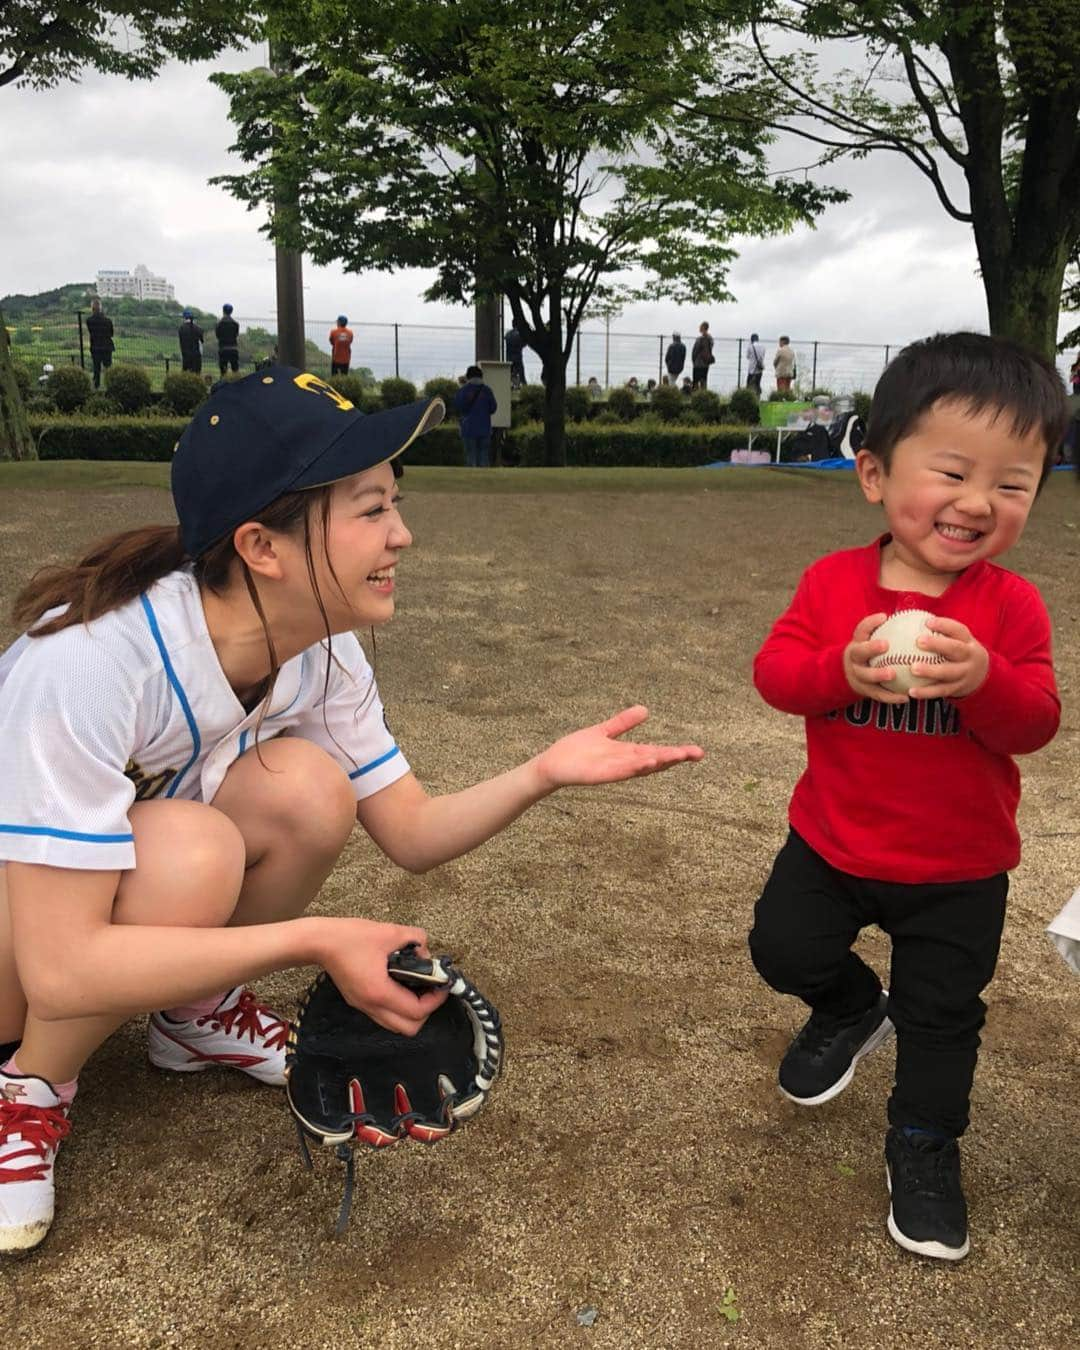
[110, 174]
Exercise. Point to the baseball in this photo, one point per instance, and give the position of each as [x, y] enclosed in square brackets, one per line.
[900, 633]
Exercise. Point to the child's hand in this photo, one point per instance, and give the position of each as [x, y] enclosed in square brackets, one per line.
[865, 680]
[967, 662]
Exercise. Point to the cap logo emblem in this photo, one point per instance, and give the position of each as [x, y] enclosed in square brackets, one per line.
[314, 385]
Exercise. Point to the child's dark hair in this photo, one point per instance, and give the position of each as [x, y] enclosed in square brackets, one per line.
[982, 374]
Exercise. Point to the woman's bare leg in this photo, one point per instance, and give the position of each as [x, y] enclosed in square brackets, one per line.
[258, 855]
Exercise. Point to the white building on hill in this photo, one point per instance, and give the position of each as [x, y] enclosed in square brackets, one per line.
[141, 283]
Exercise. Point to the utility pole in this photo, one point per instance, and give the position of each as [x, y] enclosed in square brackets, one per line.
[288, 262]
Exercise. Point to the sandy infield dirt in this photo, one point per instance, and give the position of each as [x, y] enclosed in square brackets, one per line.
[637, 1159]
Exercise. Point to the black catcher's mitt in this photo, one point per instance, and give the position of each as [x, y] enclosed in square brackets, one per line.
[349, 1080]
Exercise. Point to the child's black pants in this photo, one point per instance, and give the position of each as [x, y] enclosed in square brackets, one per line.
[945, 941]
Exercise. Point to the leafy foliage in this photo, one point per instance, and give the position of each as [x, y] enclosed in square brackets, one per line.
[69, 387]
[989, 88]
[623, 403]
[43, 43]
[556, 154]
[184, 391]
[706, 405]
[396, 392]
[579, 403]
[442, 386]
[744, 407]
[668, 402]
[129, 386]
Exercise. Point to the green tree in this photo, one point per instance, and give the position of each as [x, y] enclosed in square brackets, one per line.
[516, 147]
[42, 43]
[987, 91]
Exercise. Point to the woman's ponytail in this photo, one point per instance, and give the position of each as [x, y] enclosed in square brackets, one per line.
[114, 571]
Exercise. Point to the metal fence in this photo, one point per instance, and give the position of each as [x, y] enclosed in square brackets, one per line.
[419, 352]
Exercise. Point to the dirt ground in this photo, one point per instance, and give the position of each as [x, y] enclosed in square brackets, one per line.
[637, 1158]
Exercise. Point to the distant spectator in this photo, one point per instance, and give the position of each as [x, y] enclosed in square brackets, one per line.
[632, 383]
[191, 339]
[784, 365]
[666, 381]
[701, 357]
[675, 357]
[1074, 374]
[46, 371]
[650, 387]
[340, 346]
[475, 403]
[227, 333]
[687, 385]
[755, 364]
[515, 354]
[99, 328]
[594, 388]
[461, 381]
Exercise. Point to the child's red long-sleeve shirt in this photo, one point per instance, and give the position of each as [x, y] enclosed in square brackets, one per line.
[923, 791]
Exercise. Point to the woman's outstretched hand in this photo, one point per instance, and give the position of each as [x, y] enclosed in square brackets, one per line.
[596, 755]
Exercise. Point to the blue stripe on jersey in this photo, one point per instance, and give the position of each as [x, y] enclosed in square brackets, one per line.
[68, 834]
[243, 743]
[367, 768]
[178, 689]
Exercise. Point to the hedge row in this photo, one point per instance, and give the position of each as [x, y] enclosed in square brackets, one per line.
[587, 443]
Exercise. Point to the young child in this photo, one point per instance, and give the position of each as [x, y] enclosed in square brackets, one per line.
[906, 814]
[162, 837]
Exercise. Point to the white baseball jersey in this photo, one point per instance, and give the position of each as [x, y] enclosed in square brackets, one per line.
[135, 705]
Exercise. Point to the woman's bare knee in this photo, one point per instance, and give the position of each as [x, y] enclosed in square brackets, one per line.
[298, 795]
[189, 866]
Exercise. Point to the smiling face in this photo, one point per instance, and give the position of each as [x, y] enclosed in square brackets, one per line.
[365, 535]
[958, 489]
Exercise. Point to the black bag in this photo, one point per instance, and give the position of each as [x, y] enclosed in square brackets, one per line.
[846, 435]
[812, 443]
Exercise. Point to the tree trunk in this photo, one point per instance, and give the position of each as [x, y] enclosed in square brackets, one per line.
[16, 441]
[1026, 304]
[555, 386]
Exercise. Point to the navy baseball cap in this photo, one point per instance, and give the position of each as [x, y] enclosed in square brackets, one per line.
[276, 431]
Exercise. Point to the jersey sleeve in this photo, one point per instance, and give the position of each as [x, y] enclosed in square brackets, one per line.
[68, 715]
[350, 725]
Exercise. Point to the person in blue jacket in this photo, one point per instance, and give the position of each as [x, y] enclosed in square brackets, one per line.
[474, 403]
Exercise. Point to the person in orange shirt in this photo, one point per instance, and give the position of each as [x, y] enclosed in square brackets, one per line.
[340, 346]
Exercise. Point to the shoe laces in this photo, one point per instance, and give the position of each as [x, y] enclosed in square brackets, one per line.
[40, 1129]
[817, 1034]
[927, 1169]
[248, 1017]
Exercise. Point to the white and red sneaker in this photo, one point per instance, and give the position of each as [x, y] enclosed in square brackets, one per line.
[33, 1121]
[241, 1033]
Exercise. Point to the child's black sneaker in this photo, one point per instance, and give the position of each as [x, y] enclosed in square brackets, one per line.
[820, 1061]
[928, 1213]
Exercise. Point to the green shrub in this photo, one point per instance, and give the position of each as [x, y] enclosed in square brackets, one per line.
[184, 391]
[442, 386]
[99, 404]
[821, 393]
[606, 418]
[579, 403]
[68, 387]
[396, 392]
[775, 396]
[129, 385]
[40, 402]
[668, 402]
[82, 437]
[351, 386]
[643, 442]
[623, 403]
[706, 406]
[860, 401]
[23, 378]
[743, 407]
[370, 400]
[528, 406]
